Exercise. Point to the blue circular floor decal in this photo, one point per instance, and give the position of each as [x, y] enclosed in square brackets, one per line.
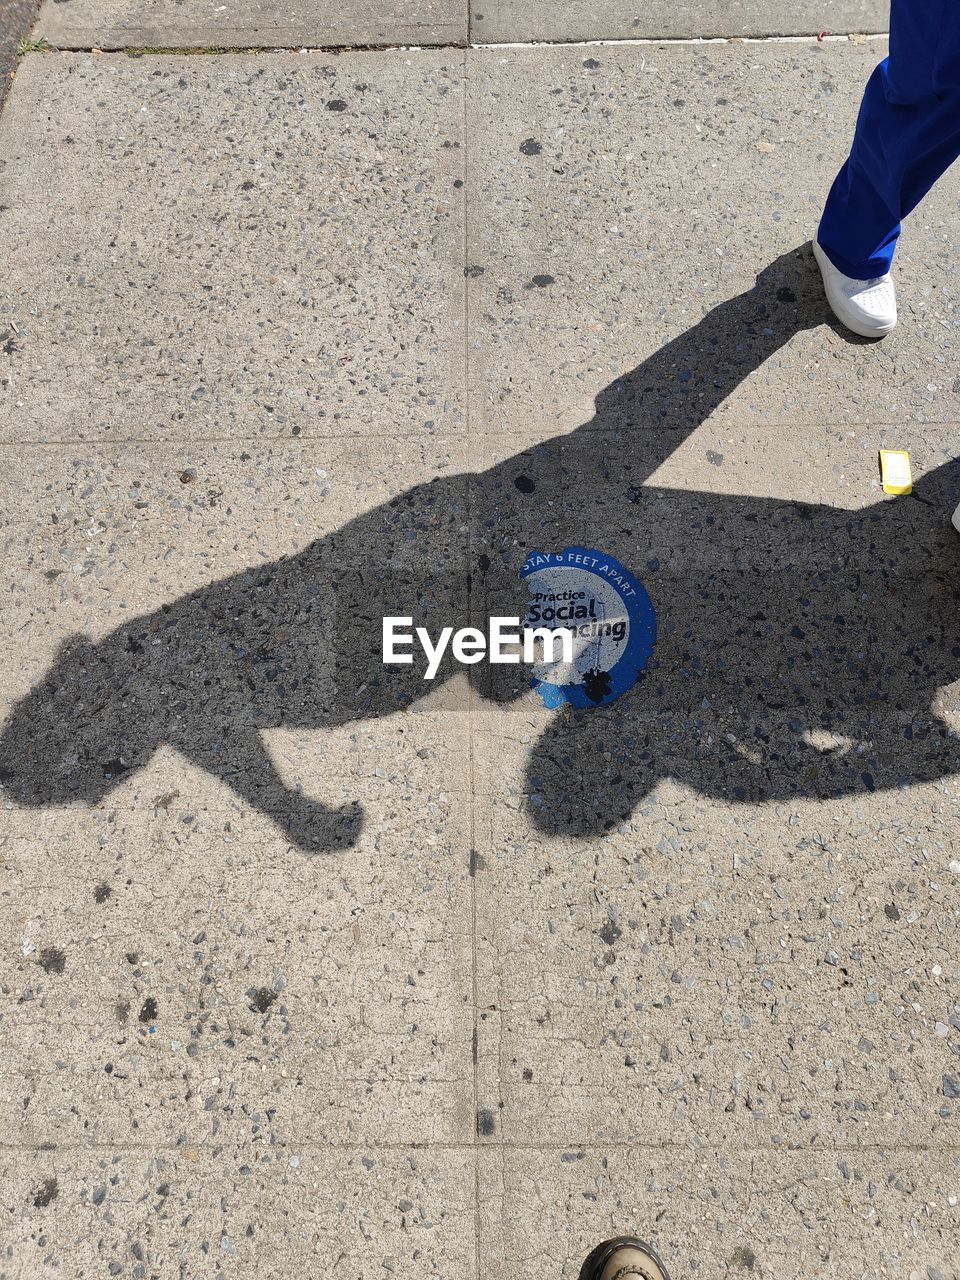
[609, 613]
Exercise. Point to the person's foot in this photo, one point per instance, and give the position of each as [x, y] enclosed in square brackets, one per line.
[625, 1258]
[955, 521]
[867, 307]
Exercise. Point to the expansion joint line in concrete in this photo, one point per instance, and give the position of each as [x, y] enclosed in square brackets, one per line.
[654, 1145]
[471, 719]
[137, 51]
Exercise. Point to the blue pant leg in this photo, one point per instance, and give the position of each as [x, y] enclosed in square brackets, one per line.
[861, 219]
[908, 133]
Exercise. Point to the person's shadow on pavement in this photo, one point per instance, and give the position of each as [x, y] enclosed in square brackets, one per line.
[800, 646]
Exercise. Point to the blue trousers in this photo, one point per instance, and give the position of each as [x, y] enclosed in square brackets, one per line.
[908, 133]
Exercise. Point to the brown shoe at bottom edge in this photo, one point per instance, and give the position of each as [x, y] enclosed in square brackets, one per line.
[625, 1258]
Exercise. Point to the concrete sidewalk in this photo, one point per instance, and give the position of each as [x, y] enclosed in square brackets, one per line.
[310, 972]
[118, 24]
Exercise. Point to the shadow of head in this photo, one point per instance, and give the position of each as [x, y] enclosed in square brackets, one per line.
[77, 733]
[801, 652]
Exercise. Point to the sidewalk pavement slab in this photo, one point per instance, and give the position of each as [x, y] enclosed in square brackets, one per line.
[176, 945]
[215, 247]
[494, 21]
[716, 914]
[267, 1210]
[711, 1212]
[619, 194]
[416, 1213]
[231, 24]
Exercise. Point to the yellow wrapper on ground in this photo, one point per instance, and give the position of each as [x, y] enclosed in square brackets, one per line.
[895, 471]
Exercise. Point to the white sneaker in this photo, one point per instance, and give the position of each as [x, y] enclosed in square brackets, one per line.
[956, 520]
[868, 307]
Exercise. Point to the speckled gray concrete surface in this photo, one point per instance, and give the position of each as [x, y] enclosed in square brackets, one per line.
[121, 24]
[130, 528]
[610, 214]
[725, 913]
[176, 972]
[715, 977]
[851, 1214]
[175, 945]
[524, 20]
[309, 967]
[328, 302]
[271, 1211]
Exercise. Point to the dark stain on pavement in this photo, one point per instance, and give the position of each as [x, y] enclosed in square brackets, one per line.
[596, 685]
[52, 960]
[743, 1258]
[610, 933]
[46, 1193]
[261, 998]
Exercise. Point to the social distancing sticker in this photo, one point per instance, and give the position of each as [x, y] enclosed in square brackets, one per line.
[609, 615]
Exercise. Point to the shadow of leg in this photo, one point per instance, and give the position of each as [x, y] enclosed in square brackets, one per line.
[242, 762]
